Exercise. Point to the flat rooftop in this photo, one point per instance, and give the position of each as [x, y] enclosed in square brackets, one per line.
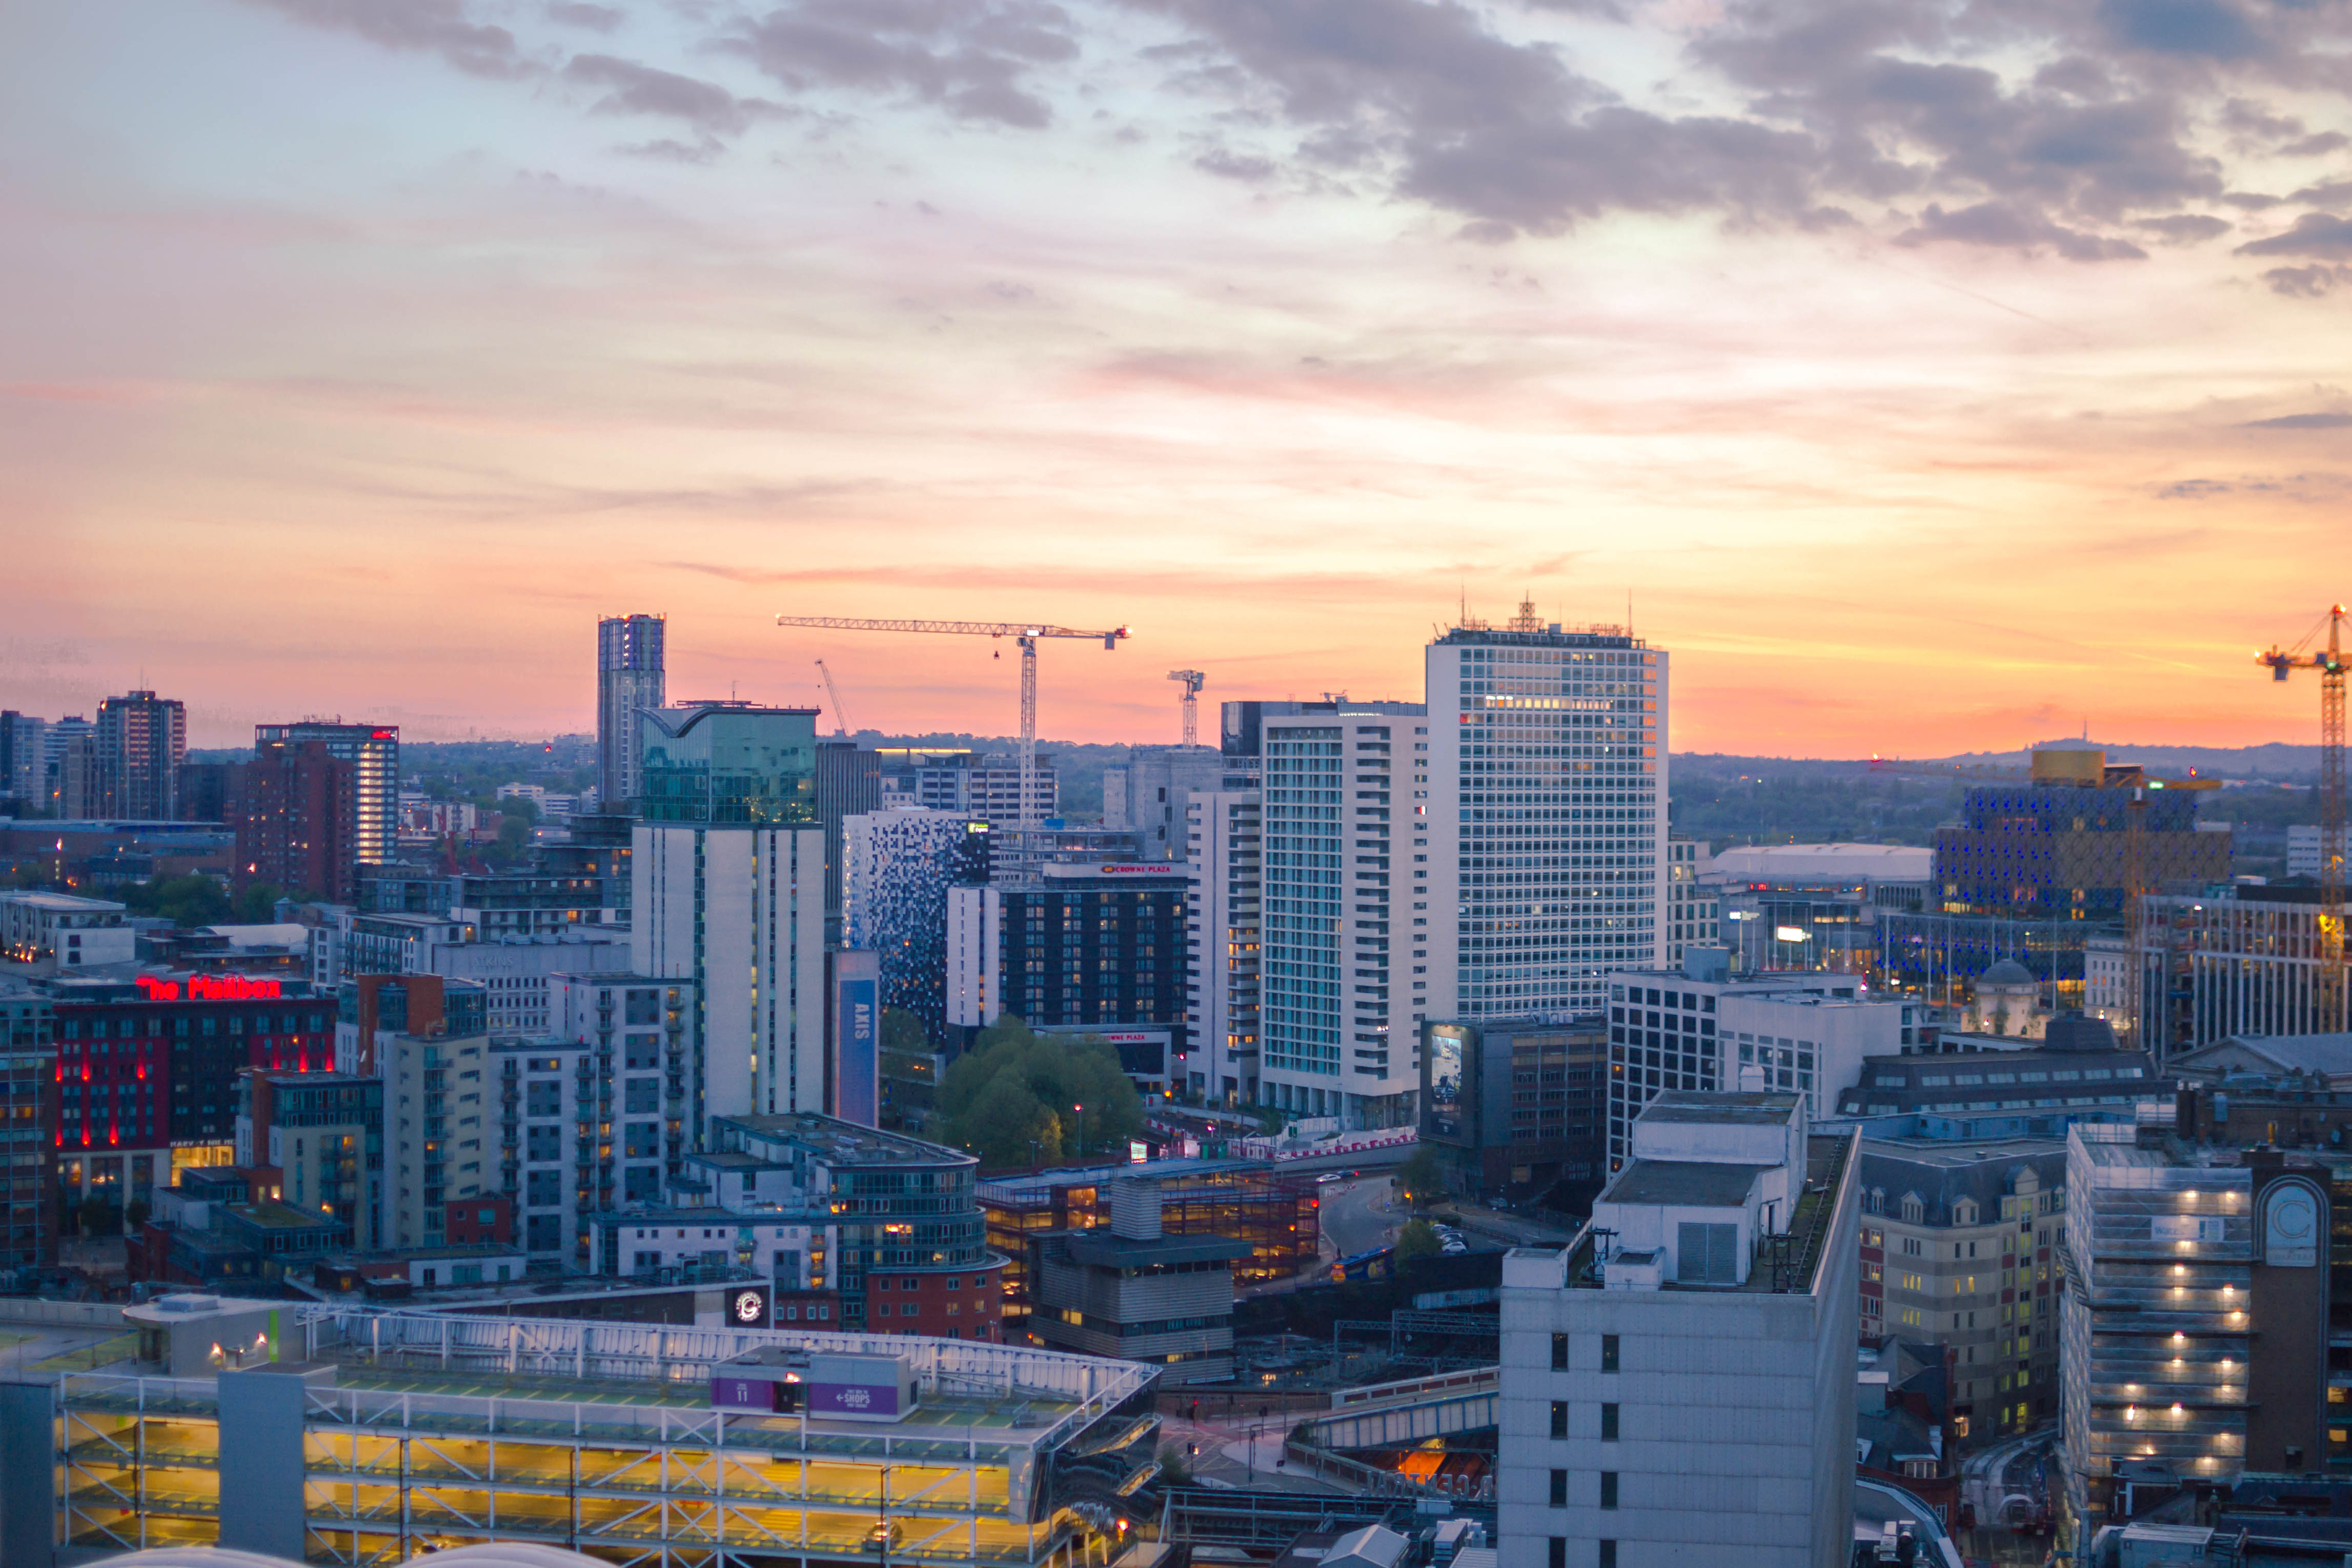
[844, 1143]
[1748, 1108]
[1695, 1183]
[1828, 1159]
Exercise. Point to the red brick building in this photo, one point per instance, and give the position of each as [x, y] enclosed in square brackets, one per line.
[291, 809]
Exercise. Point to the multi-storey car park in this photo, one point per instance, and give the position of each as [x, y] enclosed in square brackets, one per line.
[365, 1437]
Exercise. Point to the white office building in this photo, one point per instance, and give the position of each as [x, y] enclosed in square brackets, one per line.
[1678, 1385]
[1224, 841]
[1345, 972]
[2303, 849]
[1548, 800]
[1676, 1031]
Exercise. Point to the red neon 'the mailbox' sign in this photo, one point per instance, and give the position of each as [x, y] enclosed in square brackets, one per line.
[211, 989]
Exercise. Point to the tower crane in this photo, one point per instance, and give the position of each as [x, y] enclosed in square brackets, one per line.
[2329, 663]
[840, 719]
[1194, 681]
[1027, 633]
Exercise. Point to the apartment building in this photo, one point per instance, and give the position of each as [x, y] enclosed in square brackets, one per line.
[1344, 961]
[1224, 929]
[1958, 1246]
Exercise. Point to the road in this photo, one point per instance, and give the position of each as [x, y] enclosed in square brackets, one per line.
[1356, 1217]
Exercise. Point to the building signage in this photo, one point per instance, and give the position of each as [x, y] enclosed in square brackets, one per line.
[856, 1010]
[854, 1398]
[211, 989]
[2290, 1226]
[747, 1309]
[742, 1394]
[1061, 869]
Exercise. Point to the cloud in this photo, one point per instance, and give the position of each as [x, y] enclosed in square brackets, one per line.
[2314, 146]
[593, 19]
[2314, 234]
[1999, 224]
[642, 89]
[442, 28]
[2206, 28]
[971, 57]
[1455, 116]
[2301, 422]
[2308, 282]
[1228, 165]
[2184, 228]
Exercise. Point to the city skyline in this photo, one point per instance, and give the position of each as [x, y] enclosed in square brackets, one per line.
[480, 319]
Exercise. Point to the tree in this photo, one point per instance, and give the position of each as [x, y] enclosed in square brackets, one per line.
[1421, 1178]
[903, 1032]
[134, 1214]
[98, 1216]
[187, 901]
[1418, 1239]
[1066, 1094]
[258, 904]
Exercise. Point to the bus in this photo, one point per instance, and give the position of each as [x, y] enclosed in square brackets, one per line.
[1364, 1266]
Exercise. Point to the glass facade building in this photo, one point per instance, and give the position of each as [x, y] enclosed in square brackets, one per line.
[729, 765]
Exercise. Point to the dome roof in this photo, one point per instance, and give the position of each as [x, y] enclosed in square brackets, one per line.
[2009, 972]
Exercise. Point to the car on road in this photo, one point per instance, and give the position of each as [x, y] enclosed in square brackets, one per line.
[1327, 1177]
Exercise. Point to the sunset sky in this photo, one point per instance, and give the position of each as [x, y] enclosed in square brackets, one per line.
[1934, 376]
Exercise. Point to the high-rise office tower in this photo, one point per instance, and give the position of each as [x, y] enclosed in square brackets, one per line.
[1340, 1020]
[1547, 808]
[629, 672]
[1225, 860]
[142, 741]
[727, 876]
[373, 752]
